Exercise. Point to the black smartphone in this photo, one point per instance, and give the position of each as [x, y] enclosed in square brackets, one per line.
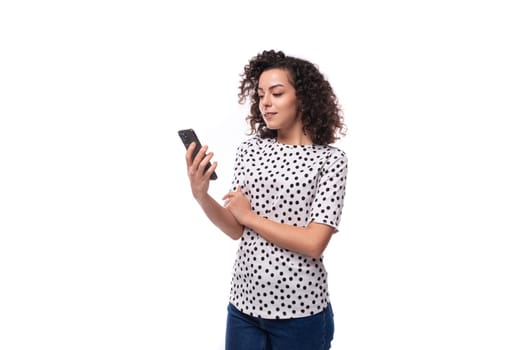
[188, 136]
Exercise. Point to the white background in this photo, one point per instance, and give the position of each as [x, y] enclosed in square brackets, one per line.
[103, 247]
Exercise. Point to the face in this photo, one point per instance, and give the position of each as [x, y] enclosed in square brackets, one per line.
[278, 103]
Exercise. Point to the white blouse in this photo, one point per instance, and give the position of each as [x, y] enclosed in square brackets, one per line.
[294, 185]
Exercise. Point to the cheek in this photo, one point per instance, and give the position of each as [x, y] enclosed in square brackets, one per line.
[291, 105]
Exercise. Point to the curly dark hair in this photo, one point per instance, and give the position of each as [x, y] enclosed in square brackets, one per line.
[318, 106]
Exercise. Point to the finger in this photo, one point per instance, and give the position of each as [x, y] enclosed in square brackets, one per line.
[189, 152]
[201, 154]
[211, 169]
[194, 167]
[204, 162]
[201, 168]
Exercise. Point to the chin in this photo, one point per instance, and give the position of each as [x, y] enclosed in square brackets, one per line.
[271, 126]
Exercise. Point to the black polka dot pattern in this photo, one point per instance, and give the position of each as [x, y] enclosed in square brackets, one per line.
[294, 185]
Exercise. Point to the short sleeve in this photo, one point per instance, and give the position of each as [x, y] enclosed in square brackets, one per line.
[329, 198]
[238, 168]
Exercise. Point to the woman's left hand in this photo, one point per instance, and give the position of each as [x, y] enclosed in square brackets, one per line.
[237, 203]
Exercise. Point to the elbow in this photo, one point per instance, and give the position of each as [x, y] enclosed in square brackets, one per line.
[315, 248]
[232, 229]
[236, 234]
[316, 254]
[235, 237]
[318, 241]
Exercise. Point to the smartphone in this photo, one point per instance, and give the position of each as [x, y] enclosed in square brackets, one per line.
[188, 136]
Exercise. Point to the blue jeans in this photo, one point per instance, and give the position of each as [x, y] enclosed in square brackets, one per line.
[244, 332]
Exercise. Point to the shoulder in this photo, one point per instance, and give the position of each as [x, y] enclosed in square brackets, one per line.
[335, 153]
[335, 159]
[253, 142]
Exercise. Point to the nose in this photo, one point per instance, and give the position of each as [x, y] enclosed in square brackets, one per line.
[265, 100]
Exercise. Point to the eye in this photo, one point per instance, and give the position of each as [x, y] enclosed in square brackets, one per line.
[277, 94]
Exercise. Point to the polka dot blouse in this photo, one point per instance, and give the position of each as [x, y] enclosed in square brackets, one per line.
[294, 185]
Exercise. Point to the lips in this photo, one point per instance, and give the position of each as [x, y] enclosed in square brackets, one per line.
[269, 115]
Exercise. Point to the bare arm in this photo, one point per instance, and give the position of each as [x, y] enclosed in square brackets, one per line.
[310, 241]
[200, 181]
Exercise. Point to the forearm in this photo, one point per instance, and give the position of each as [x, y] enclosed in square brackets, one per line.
[220, 217]
[309, 241]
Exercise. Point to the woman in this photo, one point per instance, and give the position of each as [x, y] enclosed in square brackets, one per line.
[285, 204]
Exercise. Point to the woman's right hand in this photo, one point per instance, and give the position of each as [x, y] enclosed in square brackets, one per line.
[197, 173]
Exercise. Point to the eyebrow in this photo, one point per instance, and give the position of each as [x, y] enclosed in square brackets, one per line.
[271, 87]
